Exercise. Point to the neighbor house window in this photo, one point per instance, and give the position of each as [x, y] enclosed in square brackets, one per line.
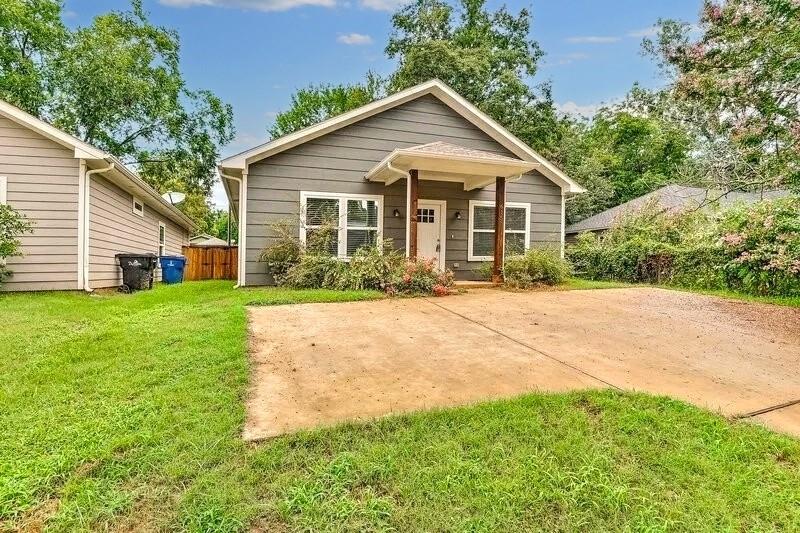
[481, 229]
[138, 207]
[162, 239]
[349, 221]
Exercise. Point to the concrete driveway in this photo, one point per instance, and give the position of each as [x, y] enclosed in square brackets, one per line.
[318, 364]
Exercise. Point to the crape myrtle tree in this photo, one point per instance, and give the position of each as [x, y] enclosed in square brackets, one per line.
[740, 79]
[117, 84]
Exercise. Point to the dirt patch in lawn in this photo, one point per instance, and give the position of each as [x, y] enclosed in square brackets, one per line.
[318, 364]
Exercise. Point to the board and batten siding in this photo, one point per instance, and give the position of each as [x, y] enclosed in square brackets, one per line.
[337, 162]
[42, 184]
[114, 228]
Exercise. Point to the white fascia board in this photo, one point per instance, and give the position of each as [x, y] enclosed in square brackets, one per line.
[81, 149]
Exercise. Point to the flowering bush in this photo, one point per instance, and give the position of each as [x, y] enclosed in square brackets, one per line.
[423, 277]
[762, 245]
[753, 248]
[369, 268]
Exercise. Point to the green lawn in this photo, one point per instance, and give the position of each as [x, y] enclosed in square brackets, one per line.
[587, 284]
[124, 412]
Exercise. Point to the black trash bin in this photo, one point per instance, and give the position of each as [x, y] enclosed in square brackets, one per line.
[137, 271]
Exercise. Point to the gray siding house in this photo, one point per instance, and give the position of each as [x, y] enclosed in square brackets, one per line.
[423, 167]
[85, 206]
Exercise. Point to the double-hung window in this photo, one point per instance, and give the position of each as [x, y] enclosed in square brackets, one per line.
[162, 239]
[341, 223]
[481, 229]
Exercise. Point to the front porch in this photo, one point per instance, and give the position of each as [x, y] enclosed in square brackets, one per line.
[465, 174]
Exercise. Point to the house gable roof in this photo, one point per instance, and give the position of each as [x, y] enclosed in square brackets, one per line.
[82, 150]
[438, 89]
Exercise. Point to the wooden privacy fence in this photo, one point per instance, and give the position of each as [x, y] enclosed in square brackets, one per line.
[210, 262]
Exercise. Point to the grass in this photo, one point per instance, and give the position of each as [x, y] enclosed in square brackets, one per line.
[588, 284]
[124, 412]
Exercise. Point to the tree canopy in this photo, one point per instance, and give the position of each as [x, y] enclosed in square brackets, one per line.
[116, 84]
[319, 102]
[742, 78]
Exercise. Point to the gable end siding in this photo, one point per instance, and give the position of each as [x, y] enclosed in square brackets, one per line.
[338, 161]
[42, 185]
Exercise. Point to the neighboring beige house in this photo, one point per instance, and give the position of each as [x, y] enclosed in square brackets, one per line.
[85, 206]
[423, 167]
[204, 239]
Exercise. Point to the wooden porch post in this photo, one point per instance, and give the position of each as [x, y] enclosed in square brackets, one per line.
[413, 184]
[499, 228]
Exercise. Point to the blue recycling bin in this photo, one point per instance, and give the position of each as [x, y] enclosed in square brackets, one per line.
[172, 268]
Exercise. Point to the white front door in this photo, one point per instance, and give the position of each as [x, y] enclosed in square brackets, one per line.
[431, 228]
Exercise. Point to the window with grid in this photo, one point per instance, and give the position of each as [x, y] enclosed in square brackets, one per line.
[341, 224]
[481, 229]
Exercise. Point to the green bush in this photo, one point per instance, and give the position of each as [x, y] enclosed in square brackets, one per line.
[371, 267]
[535, 267]
[314, 271]
[753, 249]
[284, 253]
[12, 225]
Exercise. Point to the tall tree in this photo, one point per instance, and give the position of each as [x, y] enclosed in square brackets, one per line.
[487, 57]
[31, 37]
[627, 150]
[316, 103]
[116, 84]
[120, 88]
[743, 74]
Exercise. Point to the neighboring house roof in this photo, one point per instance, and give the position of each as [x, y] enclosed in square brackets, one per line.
[96, 158]
[437, 88]
[670, 197]
[205, 239]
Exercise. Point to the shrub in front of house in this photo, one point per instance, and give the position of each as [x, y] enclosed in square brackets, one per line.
[422, 277]
[313, 266]
[754, 249]
[535, 267]
[12, 226]
[283, 254]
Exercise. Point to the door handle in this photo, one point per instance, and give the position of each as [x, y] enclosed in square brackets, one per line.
[438, 245]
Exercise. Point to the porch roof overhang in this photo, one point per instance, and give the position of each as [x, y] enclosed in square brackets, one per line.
[442, 161]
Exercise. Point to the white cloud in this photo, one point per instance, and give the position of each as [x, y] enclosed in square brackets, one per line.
[578, 110]
[592, 39]
[382, 5]
[564, 59]
[652, 31]
[256, 5]
[354, 39]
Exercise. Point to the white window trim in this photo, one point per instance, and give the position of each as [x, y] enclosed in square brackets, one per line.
[162, 225]
[3, 190]
[472, 230]
[135, 201]
[342, 197]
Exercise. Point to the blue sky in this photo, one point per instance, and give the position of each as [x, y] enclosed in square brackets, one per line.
[255, 53]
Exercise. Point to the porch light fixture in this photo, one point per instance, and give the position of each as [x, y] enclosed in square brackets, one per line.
[458, 215]
[396, 213]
